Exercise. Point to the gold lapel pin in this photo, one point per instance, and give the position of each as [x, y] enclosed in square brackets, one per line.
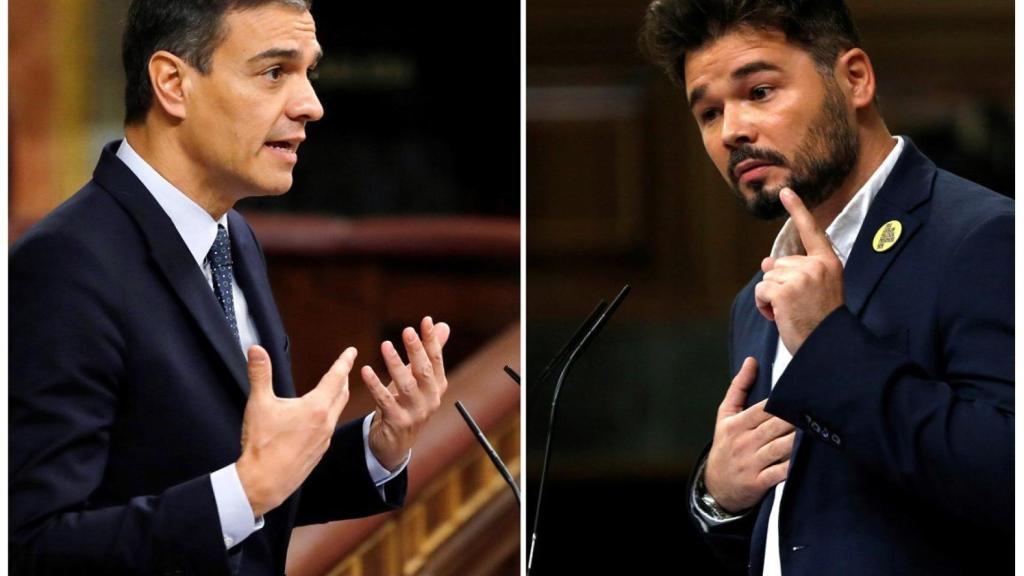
[887, 236]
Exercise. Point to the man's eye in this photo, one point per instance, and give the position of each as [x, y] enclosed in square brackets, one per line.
[274, 73]
[708, 115]
[760, 93]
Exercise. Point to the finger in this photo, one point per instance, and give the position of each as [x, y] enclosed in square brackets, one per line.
[790, 263]
[753, 417]
[261, 381]
[442, 331]
[334, 383]
[736, 395]
[419, 363]
[401, 376]
[813, 238]
[384, 399]
[782, 275]
[773, 428]
[777, 450]
[767, 264]
[433, 348]
[772, 475]
[763, 294]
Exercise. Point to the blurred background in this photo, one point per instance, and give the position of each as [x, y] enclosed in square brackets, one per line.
[619, 189]
[405, 203]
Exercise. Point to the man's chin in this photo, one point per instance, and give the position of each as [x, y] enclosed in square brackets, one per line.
[276, 186]
[764, 202]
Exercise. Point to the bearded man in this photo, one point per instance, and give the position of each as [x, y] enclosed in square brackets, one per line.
[869, 427]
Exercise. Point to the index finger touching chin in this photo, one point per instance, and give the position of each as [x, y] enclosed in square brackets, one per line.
[812, 237]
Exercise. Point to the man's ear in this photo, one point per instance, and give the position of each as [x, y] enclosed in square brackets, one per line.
[168, 75]
[855, 73]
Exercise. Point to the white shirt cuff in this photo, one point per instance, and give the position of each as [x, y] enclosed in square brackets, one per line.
[236, 516]
[378, 473]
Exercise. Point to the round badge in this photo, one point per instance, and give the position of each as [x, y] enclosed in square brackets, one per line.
[887, 236]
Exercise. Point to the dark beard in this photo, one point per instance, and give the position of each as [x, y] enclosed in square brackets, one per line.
[822, 162]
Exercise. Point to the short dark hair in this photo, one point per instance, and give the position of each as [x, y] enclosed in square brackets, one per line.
[189, 29]
[824, 28]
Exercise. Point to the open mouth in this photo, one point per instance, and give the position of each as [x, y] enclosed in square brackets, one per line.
[283, 146]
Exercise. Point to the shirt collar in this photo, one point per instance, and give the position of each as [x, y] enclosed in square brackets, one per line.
[842, 232]
[194, 224]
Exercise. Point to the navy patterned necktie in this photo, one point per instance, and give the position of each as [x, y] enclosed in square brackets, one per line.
[220, 265]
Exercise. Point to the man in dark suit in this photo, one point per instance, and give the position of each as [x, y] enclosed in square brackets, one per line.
[869, 427]
[154, 428]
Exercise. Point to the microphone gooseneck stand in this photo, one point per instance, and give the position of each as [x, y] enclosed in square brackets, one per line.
[491, 453]
[576, 345]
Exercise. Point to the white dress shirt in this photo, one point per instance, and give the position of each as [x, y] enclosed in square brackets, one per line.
[842, 233]
[198, 230]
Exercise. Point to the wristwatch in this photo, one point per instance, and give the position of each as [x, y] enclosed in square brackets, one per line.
[706, 502]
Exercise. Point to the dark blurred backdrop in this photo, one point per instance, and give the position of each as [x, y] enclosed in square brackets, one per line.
[619, 189]
[421, 103]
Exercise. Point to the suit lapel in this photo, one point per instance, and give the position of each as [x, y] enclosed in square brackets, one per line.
[908, 186]
[250, 273]
[173, 259]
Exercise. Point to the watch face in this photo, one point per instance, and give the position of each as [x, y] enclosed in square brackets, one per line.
[711, 507]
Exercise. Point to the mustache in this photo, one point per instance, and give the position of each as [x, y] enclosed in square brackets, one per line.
[751, 153]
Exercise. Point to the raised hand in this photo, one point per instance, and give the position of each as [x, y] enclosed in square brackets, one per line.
[798, 292]
[751, 448]
[283, 439]
[415, 392]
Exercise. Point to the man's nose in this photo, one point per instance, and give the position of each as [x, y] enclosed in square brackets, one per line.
[737, 127]
[306, 105]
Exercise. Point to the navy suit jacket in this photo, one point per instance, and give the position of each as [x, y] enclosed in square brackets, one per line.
[128, 390]
[903, 397]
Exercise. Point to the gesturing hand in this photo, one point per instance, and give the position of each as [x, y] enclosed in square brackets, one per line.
[798, 292]
[750, 451]
[405, 405]
[283, 439]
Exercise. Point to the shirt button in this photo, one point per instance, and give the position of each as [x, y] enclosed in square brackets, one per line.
[229, 541]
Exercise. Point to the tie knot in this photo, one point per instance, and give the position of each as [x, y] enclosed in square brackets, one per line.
[220, 252]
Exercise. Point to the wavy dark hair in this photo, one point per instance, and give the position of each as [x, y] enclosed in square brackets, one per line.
[189, 29]
[672, 28]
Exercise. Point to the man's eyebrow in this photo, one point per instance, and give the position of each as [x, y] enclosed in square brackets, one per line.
[740, 73]
[697, 95]
[753, 68]
[285, 53]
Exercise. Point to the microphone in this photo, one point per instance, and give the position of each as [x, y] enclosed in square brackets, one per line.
[571, 343]
[576, 345]
[491, 453]
[512, 374]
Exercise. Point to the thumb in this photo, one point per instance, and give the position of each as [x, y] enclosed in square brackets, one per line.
[261, 382]
[736, 395]
[813, 238]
